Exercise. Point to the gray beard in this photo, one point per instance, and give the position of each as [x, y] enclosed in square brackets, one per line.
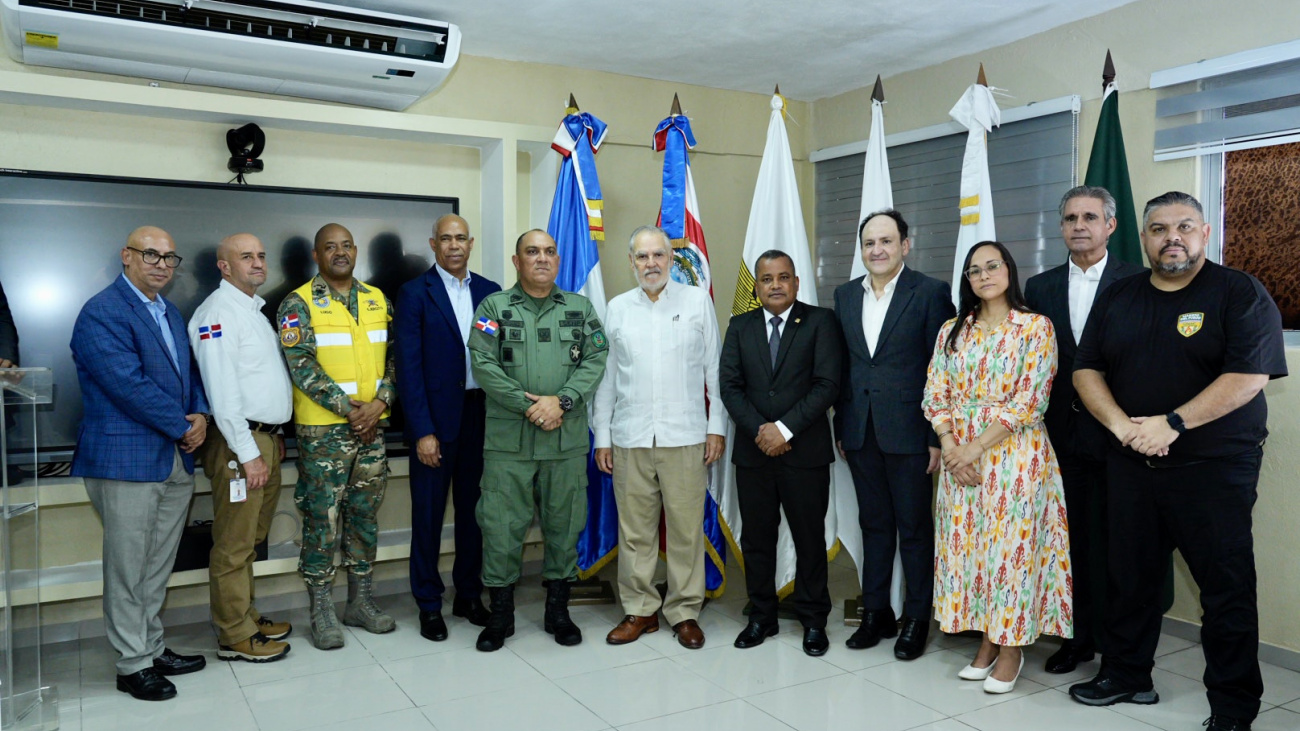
[1173, 270]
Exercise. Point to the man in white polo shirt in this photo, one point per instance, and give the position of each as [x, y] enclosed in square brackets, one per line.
[653, 435]
[248, 387]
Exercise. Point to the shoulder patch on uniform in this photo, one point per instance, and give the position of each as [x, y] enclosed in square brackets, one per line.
[598, 339]
[290, 336]
[288, 321]
[487, 326]
[209, 332]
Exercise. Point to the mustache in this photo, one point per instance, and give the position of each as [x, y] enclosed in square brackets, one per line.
[1167, 247]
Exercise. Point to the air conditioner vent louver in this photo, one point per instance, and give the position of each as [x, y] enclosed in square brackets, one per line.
[199, 16]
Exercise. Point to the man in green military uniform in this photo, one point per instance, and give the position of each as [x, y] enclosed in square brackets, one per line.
[539, 353]
[336, 335]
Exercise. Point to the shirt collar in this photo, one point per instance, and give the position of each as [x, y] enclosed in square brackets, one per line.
[253, 303]
[889, 288]
[783, 314]
[1094, 271]
[449, 278]
[664, 294]
[143, 297]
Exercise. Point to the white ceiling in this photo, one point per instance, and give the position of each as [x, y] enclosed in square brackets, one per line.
[812, 48]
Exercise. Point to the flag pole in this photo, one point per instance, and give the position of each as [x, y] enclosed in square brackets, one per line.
[676, 110]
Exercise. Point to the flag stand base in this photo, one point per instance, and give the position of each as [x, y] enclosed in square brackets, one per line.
[853, 612]
[587, 592]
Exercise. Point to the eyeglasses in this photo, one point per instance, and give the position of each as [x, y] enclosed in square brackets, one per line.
[152, 257]
[991, 268]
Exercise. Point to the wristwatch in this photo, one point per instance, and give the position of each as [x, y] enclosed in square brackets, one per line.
[566, 403]
[1176, 422]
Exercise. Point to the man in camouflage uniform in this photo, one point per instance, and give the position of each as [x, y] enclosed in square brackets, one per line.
[539, 353]
[336, 335]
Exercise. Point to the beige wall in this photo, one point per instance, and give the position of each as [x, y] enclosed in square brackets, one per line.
[1146, 36]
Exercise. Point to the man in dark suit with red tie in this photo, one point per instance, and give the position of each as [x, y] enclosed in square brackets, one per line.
[1065, 294]
[780, 373]
[444, 422]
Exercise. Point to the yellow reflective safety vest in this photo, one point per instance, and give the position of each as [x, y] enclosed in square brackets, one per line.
[352, 352]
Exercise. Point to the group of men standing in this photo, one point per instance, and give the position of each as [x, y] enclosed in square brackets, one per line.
[497, 383]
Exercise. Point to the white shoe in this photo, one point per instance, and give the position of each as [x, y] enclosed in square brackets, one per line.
[970, 672]
[993, 685]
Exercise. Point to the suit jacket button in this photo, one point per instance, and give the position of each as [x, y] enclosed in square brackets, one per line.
[771, 393]
[462, 384]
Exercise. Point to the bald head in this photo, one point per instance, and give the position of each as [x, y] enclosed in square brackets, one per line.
[242, 261]
[336, 255]
[451, 244]
[148, 242]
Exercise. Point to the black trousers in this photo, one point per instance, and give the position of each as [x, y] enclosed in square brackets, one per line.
[1084, 482]
[461, 471]
[895, 509]
[804, 495]
[1203, 510]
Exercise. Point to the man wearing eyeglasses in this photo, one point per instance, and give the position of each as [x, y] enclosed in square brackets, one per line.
[336, 335]
[145, 414]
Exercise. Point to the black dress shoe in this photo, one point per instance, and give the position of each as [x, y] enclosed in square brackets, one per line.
[754, 634]
[472, 609]
[1103, 691]
[911, 641]
[1224, 723]
[815, 641]
[169, 663]
[876, 624]
[147, 685]
[432, 626]
[1066, 659]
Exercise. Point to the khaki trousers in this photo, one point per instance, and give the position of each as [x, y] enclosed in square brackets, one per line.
[236, 528]
[676, 480]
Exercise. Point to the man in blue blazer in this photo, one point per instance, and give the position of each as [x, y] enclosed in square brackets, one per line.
[890, 318]
[444, 422]
[1065, 294]
[145, 414]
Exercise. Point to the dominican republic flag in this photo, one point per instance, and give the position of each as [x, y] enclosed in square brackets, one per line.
[288, 321]
[679, 217]
[576, 225]
[486, 325]
[208, 332]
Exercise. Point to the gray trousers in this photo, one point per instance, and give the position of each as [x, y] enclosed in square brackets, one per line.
[142, 530]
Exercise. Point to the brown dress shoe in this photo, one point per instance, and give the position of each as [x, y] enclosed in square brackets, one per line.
[631, 629]
[689, 634]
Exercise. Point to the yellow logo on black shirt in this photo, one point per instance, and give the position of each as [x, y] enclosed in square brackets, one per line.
[1189, 323]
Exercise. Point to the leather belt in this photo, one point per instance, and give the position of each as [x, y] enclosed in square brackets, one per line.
[265, 428]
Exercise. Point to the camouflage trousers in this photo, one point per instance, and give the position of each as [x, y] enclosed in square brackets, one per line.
[341, 484]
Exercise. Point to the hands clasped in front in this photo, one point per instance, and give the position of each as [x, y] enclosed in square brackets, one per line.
[771, 440]
[364, 417]
[545, 412]
[1147, 435]
[961, 459]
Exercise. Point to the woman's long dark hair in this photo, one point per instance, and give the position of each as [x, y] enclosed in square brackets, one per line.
[970, 303]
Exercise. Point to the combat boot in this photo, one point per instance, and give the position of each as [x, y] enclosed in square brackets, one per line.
[326, 634]
[362, 610]
[557, 621]
[501, 622]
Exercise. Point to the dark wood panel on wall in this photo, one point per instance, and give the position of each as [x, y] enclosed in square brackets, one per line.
[1261, 221]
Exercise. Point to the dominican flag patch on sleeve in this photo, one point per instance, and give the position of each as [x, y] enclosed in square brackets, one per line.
[488, 326]
[208, 332]
[288, 321]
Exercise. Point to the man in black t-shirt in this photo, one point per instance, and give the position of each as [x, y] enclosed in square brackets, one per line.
[1173, 364]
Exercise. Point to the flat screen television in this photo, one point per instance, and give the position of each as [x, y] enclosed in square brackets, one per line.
[61, 236]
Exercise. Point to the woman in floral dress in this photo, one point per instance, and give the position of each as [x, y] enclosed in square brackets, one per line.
[1002, 558]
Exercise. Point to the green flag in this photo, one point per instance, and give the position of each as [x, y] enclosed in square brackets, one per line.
[1108, 168]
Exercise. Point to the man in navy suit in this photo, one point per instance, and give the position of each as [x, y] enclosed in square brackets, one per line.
[444, 422]
[779, 374]
[1065, 294]
[145, 414]
[890, 318]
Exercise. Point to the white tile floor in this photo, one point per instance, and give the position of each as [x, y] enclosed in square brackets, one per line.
[401, 682]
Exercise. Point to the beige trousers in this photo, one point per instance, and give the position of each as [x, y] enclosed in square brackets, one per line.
[645, 480]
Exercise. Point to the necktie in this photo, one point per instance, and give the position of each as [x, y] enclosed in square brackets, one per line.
[774, 342]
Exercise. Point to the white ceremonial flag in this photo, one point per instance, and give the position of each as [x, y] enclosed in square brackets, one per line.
[979, 114]
[877, 190]
[775, 222]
